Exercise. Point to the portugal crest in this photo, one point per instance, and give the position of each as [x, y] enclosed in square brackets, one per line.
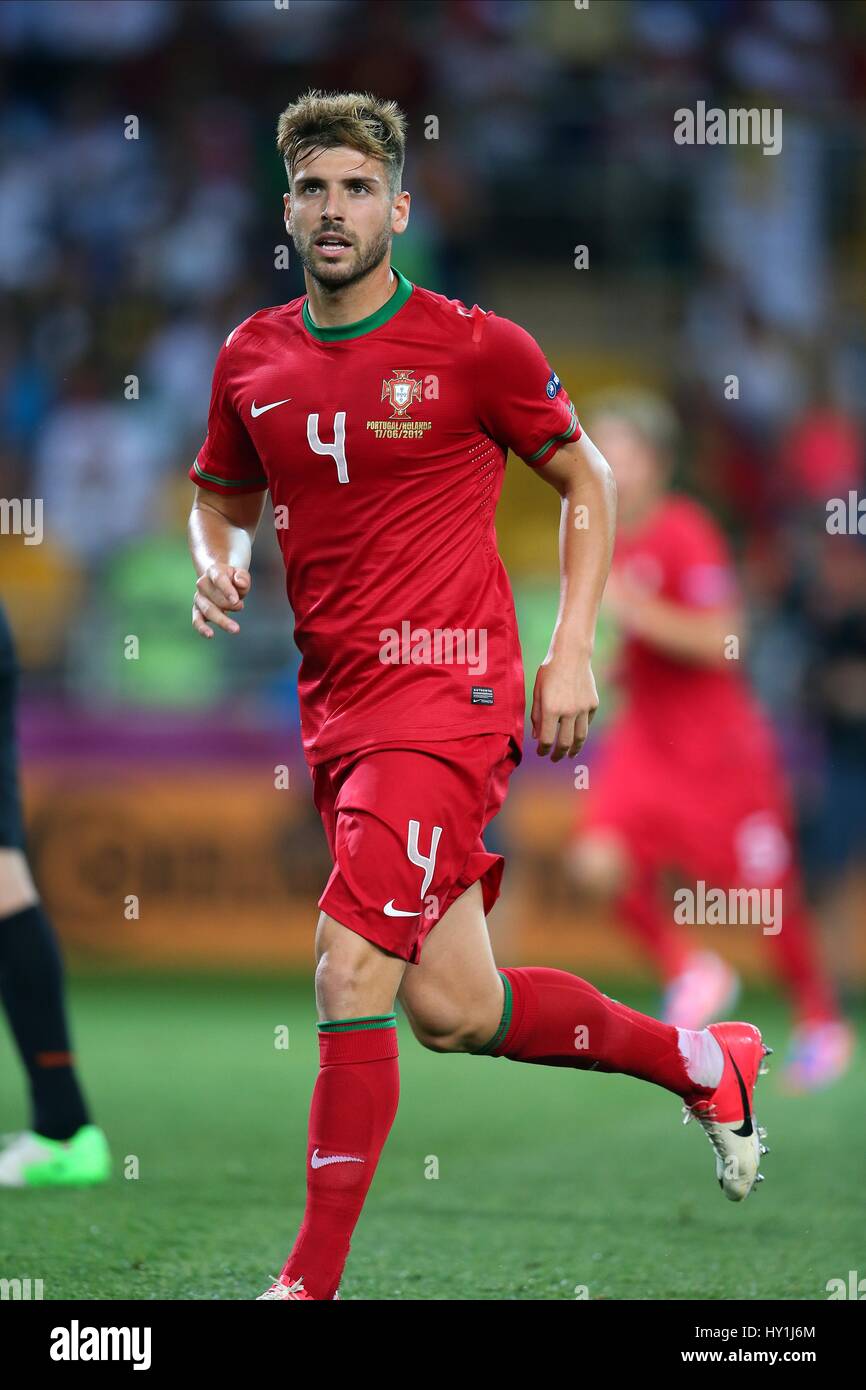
[401, 391]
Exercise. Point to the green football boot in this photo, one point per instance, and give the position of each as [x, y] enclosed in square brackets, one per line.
[30, 1160]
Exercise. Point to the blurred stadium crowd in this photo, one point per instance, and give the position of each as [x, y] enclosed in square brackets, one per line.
[132, 258]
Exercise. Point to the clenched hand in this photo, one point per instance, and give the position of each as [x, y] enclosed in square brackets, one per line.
[218, 592]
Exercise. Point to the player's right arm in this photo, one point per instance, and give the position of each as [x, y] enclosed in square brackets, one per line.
[696, 635]
[221, 532]
[695, 621]
[229, 499]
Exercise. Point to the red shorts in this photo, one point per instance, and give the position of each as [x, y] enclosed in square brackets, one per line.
[404, 827]
[724, 819]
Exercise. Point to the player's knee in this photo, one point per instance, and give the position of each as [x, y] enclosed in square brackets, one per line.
[598, 867]
[336, 980]
[349, 980]
[17, 890]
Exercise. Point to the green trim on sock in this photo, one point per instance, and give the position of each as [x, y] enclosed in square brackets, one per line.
[355, 1025]
[504, 1022]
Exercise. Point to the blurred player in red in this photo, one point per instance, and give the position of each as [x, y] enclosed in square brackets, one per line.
[688, 777]
[378, 415]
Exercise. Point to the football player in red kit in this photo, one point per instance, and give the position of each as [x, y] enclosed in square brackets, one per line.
[379, 415]
[688, 776]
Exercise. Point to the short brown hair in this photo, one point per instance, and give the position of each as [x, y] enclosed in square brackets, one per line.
[357, 119]
[648, 414]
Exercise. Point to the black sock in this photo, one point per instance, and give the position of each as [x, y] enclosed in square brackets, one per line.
[31, 988]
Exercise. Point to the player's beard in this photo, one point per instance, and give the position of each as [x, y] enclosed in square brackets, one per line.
[339, 277]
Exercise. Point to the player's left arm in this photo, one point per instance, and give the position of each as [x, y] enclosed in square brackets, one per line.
[565, 698]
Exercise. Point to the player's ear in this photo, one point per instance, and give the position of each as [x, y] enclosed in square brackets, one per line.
[400, 213]
[287, 212]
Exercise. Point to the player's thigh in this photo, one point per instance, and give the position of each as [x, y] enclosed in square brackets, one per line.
[454, 996]
[744, 846]
[407, 844]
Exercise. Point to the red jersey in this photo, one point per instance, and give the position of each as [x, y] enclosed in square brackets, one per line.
[383, 444]
[679, 553]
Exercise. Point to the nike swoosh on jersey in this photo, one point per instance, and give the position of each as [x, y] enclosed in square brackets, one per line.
[316, 1162]
[256, 410]
[391, 911]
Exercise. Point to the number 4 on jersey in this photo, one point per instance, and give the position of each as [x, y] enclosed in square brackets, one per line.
[337, 449]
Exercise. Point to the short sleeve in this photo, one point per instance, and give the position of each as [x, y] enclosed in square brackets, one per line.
[703, 574]
[521, 402]
[227, 461]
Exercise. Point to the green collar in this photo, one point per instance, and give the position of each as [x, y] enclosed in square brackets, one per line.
[391, 307]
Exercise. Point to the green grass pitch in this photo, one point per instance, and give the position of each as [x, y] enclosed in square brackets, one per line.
[548, 1179]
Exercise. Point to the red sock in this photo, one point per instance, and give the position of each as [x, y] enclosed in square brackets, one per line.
[798, 961]
[353, 1108]
[559, 1020]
